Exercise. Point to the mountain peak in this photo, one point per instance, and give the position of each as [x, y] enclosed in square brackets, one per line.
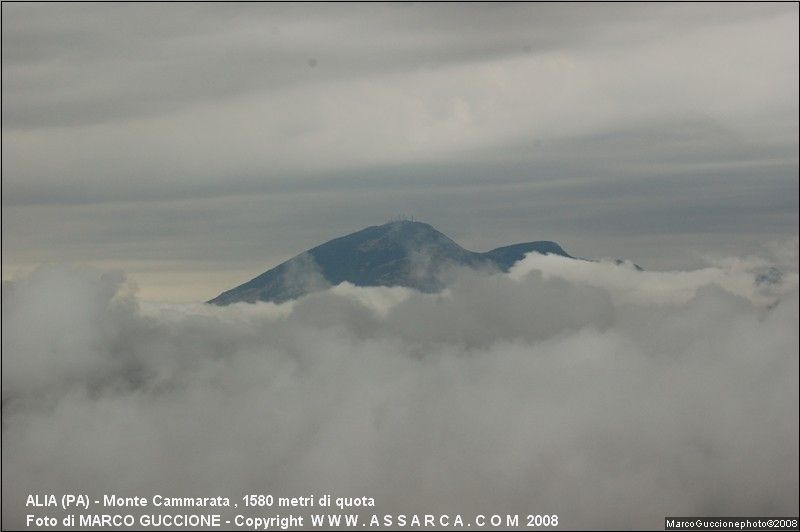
[404, 222]
[398, 253]
[401, 229]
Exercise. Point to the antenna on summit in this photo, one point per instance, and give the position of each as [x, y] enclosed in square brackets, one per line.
[397, 218]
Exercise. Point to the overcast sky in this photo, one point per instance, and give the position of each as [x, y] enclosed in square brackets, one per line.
[196, 145]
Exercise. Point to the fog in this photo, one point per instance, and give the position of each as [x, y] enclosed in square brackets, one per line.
[606, 395]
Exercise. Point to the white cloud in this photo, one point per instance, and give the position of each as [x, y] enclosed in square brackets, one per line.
[736, 275]
[612, 400]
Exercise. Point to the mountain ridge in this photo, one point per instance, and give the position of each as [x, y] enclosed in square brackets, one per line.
[399, 253]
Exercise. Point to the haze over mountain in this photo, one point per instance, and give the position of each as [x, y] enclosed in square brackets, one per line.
[401, 253]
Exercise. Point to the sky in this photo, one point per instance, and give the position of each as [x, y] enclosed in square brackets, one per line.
[193, 146]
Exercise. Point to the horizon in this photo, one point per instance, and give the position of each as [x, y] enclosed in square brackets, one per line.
[766, 250]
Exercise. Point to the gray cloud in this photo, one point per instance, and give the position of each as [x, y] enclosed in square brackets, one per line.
[609, 396]
[154, 91]
[124, 61]
[169, 138]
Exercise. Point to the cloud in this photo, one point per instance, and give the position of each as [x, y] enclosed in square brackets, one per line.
[751, 277]
[116, 63]
[611, 399]
[228, 103]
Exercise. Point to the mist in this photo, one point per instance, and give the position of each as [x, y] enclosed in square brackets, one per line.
[609, 396]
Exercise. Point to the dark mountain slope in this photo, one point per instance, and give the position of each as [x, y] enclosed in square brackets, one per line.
[410, 254]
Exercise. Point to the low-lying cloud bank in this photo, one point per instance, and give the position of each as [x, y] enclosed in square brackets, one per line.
[608, 396]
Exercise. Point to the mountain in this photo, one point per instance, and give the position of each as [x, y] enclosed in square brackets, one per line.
[404, 253]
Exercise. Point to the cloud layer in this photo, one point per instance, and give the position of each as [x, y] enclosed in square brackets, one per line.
[608, 396]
